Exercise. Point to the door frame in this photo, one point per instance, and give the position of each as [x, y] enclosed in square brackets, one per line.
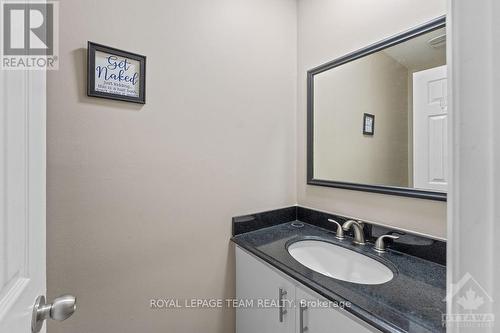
[474, 187]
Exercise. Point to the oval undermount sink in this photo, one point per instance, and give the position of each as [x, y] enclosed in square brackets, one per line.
[339, 263]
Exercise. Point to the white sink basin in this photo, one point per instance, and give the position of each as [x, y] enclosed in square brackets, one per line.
[339, 263]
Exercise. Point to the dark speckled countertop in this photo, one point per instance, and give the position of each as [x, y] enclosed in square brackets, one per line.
[411, 302]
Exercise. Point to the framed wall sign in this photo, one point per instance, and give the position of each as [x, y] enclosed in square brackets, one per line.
[368, 124]
[115, 74]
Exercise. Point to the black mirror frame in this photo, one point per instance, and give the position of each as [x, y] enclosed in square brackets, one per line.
[435, 24]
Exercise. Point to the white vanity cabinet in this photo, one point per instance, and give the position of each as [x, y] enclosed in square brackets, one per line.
[257, 281]
[317, 318]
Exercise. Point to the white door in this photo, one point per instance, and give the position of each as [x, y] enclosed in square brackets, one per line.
[22, 196]
[430, 129]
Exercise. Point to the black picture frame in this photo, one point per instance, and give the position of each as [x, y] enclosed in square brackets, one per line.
[432, 25]
[366, 117]
[91, 73]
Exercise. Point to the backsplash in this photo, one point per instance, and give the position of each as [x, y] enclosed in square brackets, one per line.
[247, 223]
[415, 245]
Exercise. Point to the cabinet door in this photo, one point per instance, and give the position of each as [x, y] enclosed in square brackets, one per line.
[260, 284]
[314, 316]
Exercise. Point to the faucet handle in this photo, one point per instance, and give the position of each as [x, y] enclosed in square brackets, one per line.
[340, 232]
[380, 244]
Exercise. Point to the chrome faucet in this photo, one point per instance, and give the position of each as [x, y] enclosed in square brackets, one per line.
[359, 236]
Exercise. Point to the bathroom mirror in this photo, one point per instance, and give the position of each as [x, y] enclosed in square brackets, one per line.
[377, 118]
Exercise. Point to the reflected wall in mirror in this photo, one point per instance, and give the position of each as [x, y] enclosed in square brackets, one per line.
[377, 118]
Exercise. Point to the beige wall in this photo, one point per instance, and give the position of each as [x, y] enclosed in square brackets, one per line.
[140, 199]
[376, 84]
[331, 28]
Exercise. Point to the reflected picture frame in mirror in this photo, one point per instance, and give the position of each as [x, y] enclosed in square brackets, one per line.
[435, 24]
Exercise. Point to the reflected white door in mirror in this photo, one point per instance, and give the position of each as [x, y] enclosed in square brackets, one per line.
[430, 129]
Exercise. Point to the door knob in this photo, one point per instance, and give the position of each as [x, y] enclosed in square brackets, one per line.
[61, 309]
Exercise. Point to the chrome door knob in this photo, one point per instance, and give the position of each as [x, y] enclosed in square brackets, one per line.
[61, 309]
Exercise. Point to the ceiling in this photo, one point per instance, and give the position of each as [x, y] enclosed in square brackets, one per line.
[416, 54]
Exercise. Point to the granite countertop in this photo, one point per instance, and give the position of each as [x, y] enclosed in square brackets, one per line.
[413, 301]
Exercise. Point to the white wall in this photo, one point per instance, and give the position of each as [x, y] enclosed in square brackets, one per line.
[328, 29]
[140, 199]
